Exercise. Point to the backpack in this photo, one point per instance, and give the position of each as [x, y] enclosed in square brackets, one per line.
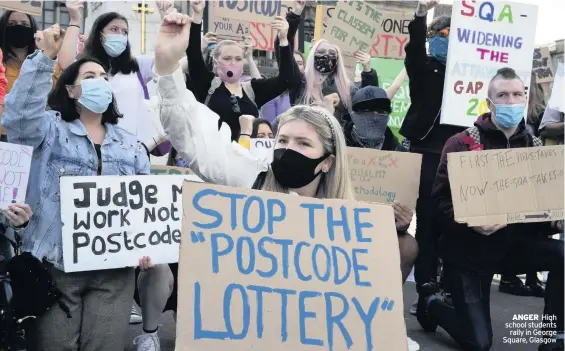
[475, 134]
[245, 86]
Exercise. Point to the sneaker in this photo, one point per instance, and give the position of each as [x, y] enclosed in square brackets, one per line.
[414, 307]
[514, 286]
[147, 342]
[422, 314]
[135, 317]
[537, 288]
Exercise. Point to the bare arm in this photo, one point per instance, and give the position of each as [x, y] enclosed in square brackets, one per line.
[400, 78]
[68, 51]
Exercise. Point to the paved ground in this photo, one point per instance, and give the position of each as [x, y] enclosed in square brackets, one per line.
[503, 307]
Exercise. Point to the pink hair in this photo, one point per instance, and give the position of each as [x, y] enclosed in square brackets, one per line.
[315, 80]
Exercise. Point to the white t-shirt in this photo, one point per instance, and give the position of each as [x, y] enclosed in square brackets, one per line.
[131, 99]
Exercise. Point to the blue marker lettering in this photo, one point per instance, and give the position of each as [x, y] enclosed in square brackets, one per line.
[357, 267]
[216, 252]
[247, 210]
[489, 16]
[326, 252]
[303, 315]
[233, 206]
[285, 243]
[332, 319]
[264, 253]
[360, 225]
[338, 223]
[272, 217]
[200, 333]
[297, 251]
[312, 217]
[251, 254]
[227, 312]
[284, 303]
[335, 260]
[259, 293]
[367, 318]
[206, 211]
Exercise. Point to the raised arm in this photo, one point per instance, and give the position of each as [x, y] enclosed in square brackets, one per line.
[293, 18]
[400, 78]
[192, 127]
[416, 55]
[68, 51]
[25, 118]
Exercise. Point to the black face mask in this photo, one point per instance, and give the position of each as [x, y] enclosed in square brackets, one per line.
[325, 63]
[19, 36]
[294, 170]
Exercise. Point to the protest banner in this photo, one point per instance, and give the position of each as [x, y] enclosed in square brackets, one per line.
[234, 19]
[169, 170]
[557, 99]
[358, 25]
[262, 148]
[507, 185]
[270, 271]
[34, 8]
[112, 222]
[484, 37]
[542, 66]
[384, 176]
[15, 161]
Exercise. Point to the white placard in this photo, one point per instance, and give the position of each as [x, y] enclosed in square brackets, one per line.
[262, 149]
[15, 161]
[557, 100]
[484, 37]
[121, 220]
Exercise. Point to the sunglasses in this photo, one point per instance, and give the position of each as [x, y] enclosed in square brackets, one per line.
[442, 33]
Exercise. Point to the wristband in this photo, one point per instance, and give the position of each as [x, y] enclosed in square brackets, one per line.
[74, 25]
[248, 135]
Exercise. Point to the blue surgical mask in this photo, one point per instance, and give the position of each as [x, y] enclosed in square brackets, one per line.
[115, 44]
[96, 94]
[438, 48]
[509, 116]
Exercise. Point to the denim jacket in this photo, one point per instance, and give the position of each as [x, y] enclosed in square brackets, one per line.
[60, 149]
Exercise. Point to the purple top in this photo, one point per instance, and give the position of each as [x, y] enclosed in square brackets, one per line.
[275, 107]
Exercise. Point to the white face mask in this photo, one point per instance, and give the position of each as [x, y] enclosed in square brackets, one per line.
[115, 44]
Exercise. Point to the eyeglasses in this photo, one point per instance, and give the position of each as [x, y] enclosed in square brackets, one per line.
[234, 104]
[442, 33]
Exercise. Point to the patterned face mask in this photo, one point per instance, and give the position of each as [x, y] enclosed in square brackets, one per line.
[325, 63]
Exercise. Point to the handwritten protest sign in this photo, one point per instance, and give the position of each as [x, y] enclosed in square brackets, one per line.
[384, 176]
[507, 185]
[542, 66]
[262, 148]
[557, 99]
[111, 222]
[234, 19]
[15, 161]
[359, 25]
[268, 271]
[31, 7]
[485, 36]
[169, 170]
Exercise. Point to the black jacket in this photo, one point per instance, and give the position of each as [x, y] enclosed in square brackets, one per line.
[421, 125]
[459, 243]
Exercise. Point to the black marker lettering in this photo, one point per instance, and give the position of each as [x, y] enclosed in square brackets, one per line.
[104, 197]
[86, 192]
[150, 194]
[127, 242]
[102, 245]
[138, 245]
[85, 224]
[78, 243]
[120, 198]
[112, 242]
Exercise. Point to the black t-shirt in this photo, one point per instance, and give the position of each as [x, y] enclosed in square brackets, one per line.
[98, 148]
[223, 102]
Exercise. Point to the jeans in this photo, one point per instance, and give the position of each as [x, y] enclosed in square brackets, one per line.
[468, 320]
[427, 230]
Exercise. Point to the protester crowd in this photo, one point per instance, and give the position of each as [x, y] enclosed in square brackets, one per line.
[91, 115]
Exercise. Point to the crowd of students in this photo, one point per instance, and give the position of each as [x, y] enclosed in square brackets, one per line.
[91, 115]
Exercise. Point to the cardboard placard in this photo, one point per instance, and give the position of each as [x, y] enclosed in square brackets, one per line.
[234, 19]
[507, 185]
[557, 99]
[386, 37]
[32, 7]
[169, 170]
[111, 222]
[542, 65]
[384, 176]
[269, 271]
[484, 37]
[262, 149]
[15, 162]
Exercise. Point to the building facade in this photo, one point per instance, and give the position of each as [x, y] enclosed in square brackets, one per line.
[53, 12]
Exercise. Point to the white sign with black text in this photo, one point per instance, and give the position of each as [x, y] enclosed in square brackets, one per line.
[111, 222]
[262, 149]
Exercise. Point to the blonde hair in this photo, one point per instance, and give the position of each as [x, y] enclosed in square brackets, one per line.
[315, 79]
[335, 184]
[218, 49]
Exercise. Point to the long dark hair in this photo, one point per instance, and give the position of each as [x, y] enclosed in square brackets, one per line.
[59, 99]
[256, 123]
[6, 49]
[124, 63]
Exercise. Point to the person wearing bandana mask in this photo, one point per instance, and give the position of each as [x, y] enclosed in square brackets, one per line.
[423, 132]
[78, 136]
[18, 39]
[473, 254]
